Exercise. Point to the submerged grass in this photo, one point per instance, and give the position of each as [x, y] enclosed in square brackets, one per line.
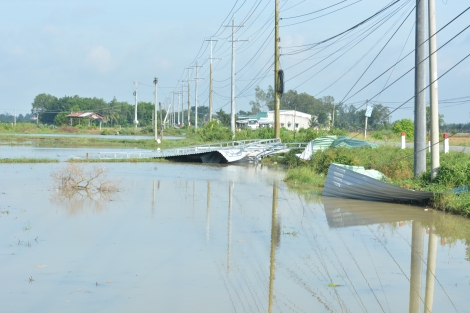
[129, 160]
[397, 165]
[27, 160]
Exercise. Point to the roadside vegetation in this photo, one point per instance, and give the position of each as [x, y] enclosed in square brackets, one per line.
[396, 164]
[27, 160]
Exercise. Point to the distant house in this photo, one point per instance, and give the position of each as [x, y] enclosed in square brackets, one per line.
[292, 119]
[289, 119]
[86, 115]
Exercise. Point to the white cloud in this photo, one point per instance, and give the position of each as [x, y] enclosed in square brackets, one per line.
[100, 58]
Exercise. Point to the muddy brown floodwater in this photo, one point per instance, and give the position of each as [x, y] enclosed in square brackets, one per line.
[205, 238]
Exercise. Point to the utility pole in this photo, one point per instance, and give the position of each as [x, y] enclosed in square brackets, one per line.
[435, 158]
[173, 108]
[182, 100]
[277, 97]
[232, 113]
[365, 128]
[189, 97]
[195, 100]
[136, 84]
[210, 77]
[420, 97]
[14, 117]
[161, 121]
[155, 82]
[179, 107]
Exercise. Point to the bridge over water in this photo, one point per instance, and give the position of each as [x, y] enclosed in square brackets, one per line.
[222, 152]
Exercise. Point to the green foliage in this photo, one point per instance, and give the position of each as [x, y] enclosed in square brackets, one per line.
[61, 119]
[404, 125]
[322, 159]
[214, 131]
[304, 175]
[377, 135]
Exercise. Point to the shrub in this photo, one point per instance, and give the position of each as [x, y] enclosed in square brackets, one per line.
[213, 131]
[404, 125]
[377, 135]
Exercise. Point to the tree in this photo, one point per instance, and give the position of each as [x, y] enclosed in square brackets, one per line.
[379, 116]
[61, 119]
[259, 102]
[223, 117]
[322, 118]
[404, 125]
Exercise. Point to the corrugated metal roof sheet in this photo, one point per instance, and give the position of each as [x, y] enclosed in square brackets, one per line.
[345, 183]
[90, 115]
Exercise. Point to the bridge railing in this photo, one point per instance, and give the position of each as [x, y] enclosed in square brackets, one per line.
[241, 144]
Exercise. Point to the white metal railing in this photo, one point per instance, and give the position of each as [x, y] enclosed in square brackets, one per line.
[251, 145]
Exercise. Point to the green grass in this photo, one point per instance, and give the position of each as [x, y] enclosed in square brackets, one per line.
[27, 160]
[397, 165]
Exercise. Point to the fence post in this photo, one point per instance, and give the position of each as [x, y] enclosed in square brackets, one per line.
[446, 143]
[403, 140]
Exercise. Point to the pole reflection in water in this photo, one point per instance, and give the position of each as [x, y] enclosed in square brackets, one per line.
[229, 226]
[417, 244]
[274, 243]
[153, 199]
[208, 210]
[194, 197]
[431, 271]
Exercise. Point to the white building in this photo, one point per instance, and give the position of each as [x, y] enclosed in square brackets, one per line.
[292, 119]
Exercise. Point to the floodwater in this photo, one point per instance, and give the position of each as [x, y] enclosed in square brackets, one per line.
[61, 154]
[220, 238]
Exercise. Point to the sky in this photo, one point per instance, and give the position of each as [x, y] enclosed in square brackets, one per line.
[99, 48]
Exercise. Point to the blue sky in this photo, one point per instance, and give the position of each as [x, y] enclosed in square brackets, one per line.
[98, 48]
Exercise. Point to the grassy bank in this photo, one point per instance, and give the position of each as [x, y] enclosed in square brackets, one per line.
[27, 160]
[397, 165]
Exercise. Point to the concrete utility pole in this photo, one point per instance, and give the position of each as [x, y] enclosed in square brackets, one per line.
[365, 126]
[182, 100]
[433, 91]
[210, 77]
[179, 107]
[173, 108]
[195, 96]
[161, 121]
[232, 113]
[277, 96]
[155, 82]
[189, 97]
[136, 84]
[420, 97]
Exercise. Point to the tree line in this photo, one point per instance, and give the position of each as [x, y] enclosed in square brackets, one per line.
[345, 116]
[54, 110]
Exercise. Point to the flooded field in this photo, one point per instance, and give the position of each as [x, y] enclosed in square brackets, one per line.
[215, 238]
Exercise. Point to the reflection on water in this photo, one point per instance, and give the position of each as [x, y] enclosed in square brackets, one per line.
[275, 241]
[77, 201]
[212, 235]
